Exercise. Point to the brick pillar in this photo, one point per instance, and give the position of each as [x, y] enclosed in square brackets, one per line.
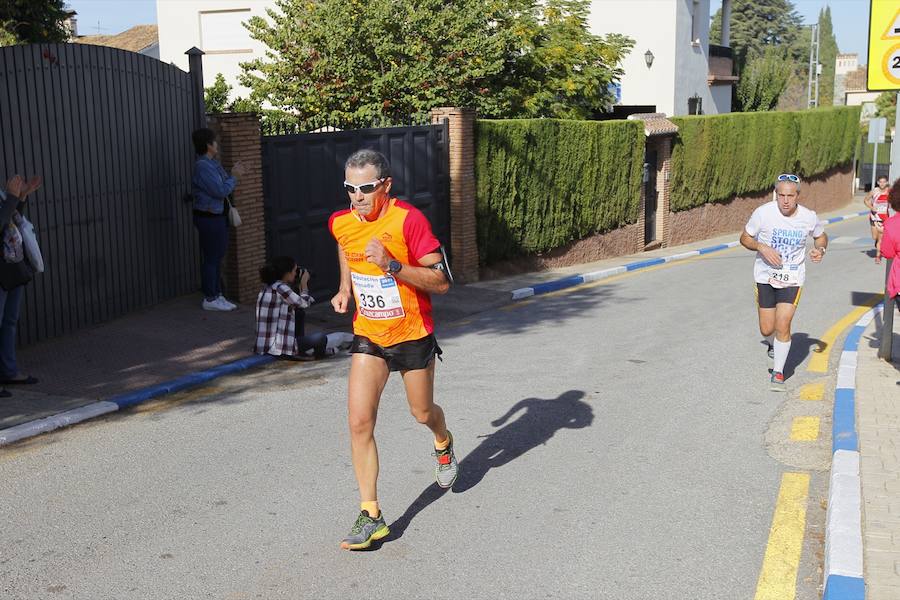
[463, 236]
[239, 140]
[663, 185]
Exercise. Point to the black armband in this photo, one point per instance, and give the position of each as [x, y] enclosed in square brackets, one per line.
[443, 266]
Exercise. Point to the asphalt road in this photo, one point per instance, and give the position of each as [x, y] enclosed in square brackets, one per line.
[617, 441]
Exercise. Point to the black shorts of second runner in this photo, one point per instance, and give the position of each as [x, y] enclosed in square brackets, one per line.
[768, 296]
[405, 356]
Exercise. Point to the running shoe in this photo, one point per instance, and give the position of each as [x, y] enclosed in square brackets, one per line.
[777, 382]
[771, 352]
[447, 468]
[365, 531]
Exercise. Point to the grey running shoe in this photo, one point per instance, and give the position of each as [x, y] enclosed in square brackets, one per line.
[771, 352]
[777, 382]
[447, 468]
[365, 531]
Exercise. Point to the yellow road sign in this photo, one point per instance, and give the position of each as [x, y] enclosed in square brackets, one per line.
[884, 45]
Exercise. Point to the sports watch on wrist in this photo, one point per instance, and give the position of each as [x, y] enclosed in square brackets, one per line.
[394, 266]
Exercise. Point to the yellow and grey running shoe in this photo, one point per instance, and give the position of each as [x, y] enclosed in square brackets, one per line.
[365, 531]
[447, 468]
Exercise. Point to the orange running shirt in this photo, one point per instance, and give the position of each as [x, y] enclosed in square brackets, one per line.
[388, 311]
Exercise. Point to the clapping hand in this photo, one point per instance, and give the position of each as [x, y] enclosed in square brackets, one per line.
[238, 170]
[20, 188]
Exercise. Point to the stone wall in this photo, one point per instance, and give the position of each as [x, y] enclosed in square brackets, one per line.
[824, 193]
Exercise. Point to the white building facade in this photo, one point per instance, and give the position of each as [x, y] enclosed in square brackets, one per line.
[672, 66]
[214, 26]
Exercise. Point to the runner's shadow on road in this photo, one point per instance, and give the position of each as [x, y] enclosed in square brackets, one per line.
[539, 422]
[801, 346]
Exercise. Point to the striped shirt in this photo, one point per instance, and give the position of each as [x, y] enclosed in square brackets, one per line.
[275, 319]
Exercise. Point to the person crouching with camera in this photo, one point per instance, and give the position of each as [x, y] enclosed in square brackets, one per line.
[280, 314]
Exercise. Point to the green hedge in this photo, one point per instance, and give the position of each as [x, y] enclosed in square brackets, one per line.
[718, 157]
[542, 183]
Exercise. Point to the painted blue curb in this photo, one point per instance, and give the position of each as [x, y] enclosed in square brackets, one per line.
[123, 401]
[643, 264]
[843, 532]
[558, 284]
[713, 249]
[839, 587]
[843, 430]
[188, 381]
[576, 280]
[861, 213]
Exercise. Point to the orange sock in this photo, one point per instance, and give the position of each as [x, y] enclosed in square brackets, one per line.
[370, 507]
[439, 445]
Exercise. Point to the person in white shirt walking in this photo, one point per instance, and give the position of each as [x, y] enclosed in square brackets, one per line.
[777, 231]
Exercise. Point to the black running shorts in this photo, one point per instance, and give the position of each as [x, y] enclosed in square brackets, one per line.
[768, 296]
[405, 356]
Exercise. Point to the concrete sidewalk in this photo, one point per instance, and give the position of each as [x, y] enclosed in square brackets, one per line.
[878, 413]
[177, 338]
[168, 341]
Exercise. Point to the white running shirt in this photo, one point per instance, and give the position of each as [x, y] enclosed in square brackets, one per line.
[787, 235]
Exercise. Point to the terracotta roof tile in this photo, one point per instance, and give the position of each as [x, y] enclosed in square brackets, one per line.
[655, 124]
[135, 39]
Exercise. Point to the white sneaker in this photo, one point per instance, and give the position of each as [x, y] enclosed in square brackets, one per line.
[228, 305]
[214, 305]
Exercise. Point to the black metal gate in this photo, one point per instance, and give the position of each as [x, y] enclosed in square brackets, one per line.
[109, 131]
[302, 183]
[651, 197]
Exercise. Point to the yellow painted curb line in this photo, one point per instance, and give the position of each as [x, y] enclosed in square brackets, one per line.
[805, 429]
[819, 361]
[812, 391]
[778, 576]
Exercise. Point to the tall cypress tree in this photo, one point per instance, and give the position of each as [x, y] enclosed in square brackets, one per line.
[756, 24]
[828, 51]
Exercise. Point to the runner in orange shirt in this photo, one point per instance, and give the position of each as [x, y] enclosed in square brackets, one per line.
[390, 263]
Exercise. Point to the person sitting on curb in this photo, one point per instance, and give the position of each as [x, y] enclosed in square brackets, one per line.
[280, 315]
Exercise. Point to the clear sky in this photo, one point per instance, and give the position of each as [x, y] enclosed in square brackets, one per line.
[114, 16]
[850, 18]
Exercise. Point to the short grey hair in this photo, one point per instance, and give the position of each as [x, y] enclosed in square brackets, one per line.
[366, 157]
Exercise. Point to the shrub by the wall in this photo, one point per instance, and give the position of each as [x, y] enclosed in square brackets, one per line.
[716, 158]
[543, 183]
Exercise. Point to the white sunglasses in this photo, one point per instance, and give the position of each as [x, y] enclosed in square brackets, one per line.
[366, 188]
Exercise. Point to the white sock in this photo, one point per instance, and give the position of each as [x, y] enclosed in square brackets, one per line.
[781, 353]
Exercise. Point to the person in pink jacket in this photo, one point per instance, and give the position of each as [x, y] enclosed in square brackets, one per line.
[890, 243]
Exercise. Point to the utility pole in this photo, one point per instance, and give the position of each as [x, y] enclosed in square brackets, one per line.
[818, 64]
[812, 88]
